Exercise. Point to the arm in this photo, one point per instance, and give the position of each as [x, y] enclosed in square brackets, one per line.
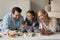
[21, 27]
[54, 25]
[26, 26]
[45, 31]
[33, 25]
[5, 23]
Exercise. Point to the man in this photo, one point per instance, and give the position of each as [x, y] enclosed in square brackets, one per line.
[14, 20]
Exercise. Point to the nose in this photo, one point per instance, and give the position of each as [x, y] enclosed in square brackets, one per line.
[17, 17]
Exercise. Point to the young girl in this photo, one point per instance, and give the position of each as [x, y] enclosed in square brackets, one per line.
[31, 24]
[47, 25]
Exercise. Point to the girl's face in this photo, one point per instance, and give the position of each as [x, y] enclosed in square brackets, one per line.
[41, 16]
[29, 16]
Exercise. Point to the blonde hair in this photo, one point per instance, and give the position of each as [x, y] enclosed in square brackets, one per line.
[44, 12]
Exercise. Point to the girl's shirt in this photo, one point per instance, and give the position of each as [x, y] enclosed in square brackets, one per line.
[30, 23]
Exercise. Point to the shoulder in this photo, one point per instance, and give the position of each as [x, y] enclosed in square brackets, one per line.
[21, 18]
[53, 19]
[6, 18]
[8, 15]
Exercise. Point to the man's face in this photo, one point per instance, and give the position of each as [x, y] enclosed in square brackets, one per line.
[16, 15]
[41, 16]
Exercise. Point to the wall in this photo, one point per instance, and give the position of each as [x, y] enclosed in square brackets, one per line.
[38, 4]
[55, 9]
[7, 5]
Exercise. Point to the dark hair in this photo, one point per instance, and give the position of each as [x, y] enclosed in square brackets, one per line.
[44, 12]
[16, 9]
[33, 14]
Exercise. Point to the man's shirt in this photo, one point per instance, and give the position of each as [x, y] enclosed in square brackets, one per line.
[9, 22]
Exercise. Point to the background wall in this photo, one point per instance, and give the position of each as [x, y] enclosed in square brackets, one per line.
[38, 4]
[7, 5]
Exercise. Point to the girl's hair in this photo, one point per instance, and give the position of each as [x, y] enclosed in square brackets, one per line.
[33, 14]
[44, 12]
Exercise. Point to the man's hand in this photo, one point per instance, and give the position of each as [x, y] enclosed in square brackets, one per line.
[14, 32]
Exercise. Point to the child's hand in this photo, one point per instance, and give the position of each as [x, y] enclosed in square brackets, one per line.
[25, 26]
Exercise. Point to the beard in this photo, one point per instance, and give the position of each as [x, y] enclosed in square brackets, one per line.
[16, 19]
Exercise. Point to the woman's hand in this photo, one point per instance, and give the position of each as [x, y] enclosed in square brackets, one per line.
[45, 32]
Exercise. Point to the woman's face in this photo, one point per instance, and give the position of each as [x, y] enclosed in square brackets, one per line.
[29, 16]
[41, 16]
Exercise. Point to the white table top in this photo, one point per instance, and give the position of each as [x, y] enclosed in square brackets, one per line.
[37, 37]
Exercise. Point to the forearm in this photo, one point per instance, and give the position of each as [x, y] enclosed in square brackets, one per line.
[31, 27]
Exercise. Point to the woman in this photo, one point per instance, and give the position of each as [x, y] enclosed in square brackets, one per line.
[47, 25]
